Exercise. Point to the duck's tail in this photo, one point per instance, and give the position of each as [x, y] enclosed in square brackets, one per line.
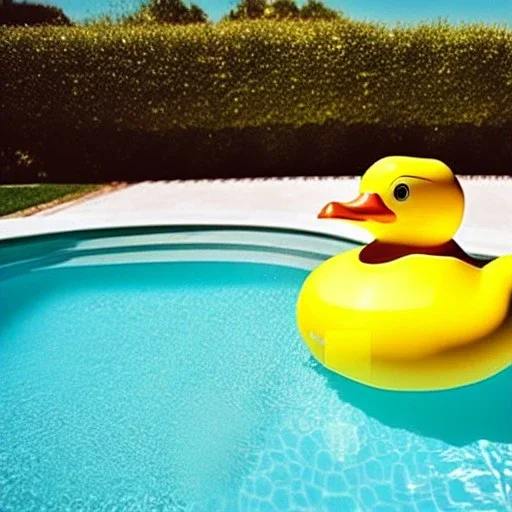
[497, 277]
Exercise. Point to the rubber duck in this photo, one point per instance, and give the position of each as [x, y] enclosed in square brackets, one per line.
[411, 310]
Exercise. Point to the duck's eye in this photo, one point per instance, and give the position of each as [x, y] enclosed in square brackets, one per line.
[401, 192]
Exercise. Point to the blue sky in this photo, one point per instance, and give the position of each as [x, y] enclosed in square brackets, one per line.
[490, 11]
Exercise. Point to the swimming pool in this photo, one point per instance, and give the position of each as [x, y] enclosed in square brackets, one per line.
[161, 369]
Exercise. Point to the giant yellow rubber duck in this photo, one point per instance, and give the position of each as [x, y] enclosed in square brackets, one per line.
[411, 310]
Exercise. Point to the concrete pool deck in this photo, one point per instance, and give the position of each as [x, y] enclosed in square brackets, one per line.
[290, 203]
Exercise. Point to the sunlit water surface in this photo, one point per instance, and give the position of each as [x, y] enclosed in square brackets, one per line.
[185, 386]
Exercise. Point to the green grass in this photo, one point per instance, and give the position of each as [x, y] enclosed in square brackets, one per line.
[13, 199]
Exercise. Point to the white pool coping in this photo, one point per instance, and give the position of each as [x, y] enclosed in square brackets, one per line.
[274, 203]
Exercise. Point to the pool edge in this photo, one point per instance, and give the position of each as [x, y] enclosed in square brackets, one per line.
[479, 241]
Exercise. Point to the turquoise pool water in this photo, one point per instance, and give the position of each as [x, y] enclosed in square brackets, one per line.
[130, 381]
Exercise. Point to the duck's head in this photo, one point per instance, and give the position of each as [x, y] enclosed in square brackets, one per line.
[405, 200]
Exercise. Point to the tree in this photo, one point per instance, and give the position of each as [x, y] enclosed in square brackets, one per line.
[316, 10]
[197, 15]
[31, 14]
[283, 9]
[248, 9]
[168, 11]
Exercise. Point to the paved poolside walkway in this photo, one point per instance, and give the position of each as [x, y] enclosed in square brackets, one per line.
[293, 202]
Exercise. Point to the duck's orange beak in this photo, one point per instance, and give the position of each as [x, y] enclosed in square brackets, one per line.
[364, 207]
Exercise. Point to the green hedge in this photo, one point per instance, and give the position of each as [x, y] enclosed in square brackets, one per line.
[145, 87]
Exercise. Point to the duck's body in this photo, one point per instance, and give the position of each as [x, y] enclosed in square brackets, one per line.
[399, 316]
[419, 322]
